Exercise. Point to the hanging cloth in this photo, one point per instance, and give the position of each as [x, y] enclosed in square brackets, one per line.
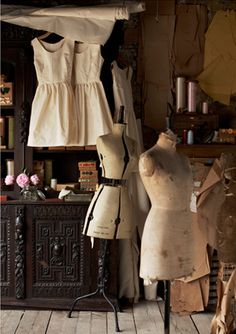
[128, 249]
[92, 24]
[188, 45]
[53, 120]
[91, 104]
[218, 78]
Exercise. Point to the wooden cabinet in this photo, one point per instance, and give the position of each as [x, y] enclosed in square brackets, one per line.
[46, 261]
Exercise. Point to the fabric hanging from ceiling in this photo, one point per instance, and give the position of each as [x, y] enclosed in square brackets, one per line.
[218, 77]
[92, 24]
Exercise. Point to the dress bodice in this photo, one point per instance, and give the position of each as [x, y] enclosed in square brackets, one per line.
[87, 63]
[118, 156]
[167, 179]
[53, 62]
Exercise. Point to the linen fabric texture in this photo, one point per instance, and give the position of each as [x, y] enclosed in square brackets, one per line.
[69, 106]
[218, 78]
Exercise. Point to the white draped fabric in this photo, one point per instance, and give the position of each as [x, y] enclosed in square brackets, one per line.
[91, 24]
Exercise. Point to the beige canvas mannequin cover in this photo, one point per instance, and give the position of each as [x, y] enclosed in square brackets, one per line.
[166, 247]
[110, 212]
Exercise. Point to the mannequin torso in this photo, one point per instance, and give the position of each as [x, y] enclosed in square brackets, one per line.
[166, 250]
[110, 212]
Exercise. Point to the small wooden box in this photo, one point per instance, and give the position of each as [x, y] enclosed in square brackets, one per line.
[227, 136]
[191, 120]
[6, 94]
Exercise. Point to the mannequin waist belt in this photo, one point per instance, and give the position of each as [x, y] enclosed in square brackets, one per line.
[113, 182]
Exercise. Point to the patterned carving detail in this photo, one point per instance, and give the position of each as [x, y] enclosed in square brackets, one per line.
[19, 253]
[5, 212]
[24, 121]
[75, 252]
[45, 231]
[56, 212]
[4, 291]
[69, 270]
[57, 246]
[3, 256]
[5, 251]
[44, 291]
[103, 273]
[58, 264]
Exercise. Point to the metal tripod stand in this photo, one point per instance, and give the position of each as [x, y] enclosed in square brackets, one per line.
[167, 308]
[101, 284]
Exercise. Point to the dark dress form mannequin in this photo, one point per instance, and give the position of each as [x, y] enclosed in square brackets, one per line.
[166, 247]
[110, 212]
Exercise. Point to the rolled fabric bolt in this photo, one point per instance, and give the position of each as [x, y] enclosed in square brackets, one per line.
[204, 107]
[190, 137]
[192, 92]
[10, 167]
[54, 184]
[180, 94]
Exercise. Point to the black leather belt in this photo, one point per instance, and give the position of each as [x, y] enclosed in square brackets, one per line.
[113, 182]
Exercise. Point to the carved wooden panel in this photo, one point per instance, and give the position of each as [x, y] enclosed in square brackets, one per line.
[59, 260]
[20, 252]
[5, 274]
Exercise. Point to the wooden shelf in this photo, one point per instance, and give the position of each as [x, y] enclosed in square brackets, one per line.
[206, 150]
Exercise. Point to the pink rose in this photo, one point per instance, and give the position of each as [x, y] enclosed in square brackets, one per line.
[34, 179]
[22, 180]
[9, 180]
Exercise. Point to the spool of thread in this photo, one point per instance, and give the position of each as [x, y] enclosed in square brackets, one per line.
[180, 94]
[204, 107]
[192, 94]
[190, 137]
[10, 166]
[54, 184]
[184, 137]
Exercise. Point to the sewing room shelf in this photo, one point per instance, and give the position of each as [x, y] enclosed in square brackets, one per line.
[15, 66]
[206, 150]
[46, 261]
[17, 63]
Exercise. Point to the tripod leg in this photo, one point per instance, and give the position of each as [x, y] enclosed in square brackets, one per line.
[79, 298]
[167, 308]
[114, 310]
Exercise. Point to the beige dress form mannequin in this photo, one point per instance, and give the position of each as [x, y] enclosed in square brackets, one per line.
[109, 215]
[166, 247]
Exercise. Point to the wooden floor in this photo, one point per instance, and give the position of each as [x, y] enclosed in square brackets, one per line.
[145, 317]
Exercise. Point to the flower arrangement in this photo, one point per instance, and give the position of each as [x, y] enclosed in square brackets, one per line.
[28, 184]
[23, 180]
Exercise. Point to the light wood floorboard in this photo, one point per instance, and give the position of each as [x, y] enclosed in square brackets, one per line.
[146, 317]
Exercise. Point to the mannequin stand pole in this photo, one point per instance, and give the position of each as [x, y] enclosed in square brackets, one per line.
[101, 285]
[167, 308]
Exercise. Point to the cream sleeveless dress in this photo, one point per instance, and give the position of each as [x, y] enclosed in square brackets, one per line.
[91, 103]
[53, 119]
[129, 249]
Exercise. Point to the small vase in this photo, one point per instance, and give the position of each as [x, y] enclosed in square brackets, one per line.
[29, 193]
